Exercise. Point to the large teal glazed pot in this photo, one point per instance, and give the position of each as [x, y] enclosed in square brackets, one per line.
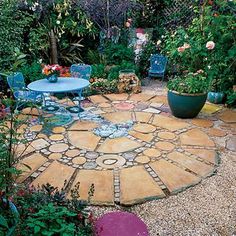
[186, 105]
[215, 97]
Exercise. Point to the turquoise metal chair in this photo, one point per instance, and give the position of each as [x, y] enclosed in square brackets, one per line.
[22, 95]
[157, 66]
[82, 71]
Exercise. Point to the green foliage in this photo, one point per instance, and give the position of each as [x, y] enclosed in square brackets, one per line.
[144, 58]
[13, 24]
[94, 57]
[98, 71]
[32, 72]
[192, 83]
[117, 53]
[113, 73]
[231, 98]
[214, 23]
[46, 211]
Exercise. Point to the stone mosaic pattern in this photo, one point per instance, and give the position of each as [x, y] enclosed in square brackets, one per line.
[157, 154]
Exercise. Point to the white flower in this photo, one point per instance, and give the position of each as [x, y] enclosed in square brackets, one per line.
[209, 67]
[158, 42]
[210, 45]
[40, 60]
[162, 36]
[58, 22]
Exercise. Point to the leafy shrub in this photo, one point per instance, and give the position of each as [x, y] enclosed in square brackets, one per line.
[213, 24]
[114, 71]
[192, 83]
[32, 72]
[117, 53]
[46, 211]
[98, 71]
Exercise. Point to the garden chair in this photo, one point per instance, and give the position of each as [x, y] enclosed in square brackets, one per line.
[22, 95]
[82, 71]
[157, 66]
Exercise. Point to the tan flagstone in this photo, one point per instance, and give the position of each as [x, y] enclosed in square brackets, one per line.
[39, 144]
[103, 185]
[97, 99]
[33, 161]
[142, 159]
[195, 137]
[169, 123]
[32, 112]
[44, 136]
[83, 140]
[208, 155]
[141, 136]
[22, 149]
[58, 130]
[104, 105]
[152, 152]
[22, 129]
[56, 137]
[144, 128]
[110, 161]
[217, 132]
[159, 99]
[228, 116]
[36, 128]
[118, 117]
[118, 145]
[55, 156]
[202, 123]
[108, 110]
[141, 97]
[174, 177]
[143, 116]
[117, 97]
[58, 147]
[56, 175]
[73, 153]
[79, 160]
[166, 146]
[166, 135]
[83, 125]
[192, 164]
[136, 185]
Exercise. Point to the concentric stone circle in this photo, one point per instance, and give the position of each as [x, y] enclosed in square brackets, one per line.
[161, 155]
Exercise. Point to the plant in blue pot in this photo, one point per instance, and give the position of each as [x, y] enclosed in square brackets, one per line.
[52, 72]
[187, 94]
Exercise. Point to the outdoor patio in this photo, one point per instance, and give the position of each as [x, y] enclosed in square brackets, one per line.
[157, 155]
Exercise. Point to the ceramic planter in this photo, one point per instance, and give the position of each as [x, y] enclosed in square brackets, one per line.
[53, 78]
[215, 97]
[186, 105]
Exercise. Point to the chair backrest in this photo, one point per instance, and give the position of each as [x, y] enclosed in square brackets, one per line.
[16, 81]
[158, 62]
[81, 71]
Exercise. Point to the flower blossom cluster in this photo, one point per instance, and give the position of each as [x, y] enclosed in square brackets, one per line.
[51, 69]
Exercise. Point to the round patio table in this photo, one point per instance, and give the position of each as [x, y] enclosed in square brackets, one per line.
[63, 85]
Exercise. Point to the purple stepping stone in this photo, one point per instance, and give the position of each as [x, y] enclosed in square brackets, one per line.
[120, 224]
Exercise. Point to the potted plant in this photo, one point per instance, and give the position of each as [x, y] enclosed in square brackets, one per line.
[187, 94]
[52, 72]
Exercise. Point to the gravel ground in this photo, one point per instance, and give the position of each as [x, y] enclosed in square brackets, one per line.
[207, 209]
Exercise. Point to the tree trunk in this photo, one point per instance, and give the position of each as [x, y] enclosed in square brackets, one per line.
[53, 45]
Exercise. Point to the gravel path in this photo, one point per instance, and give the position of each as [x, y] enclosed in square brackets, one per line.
[208, 209]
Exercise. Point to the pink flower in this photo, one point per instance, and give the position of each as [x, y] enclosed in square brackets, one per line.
[210, 45]
[186, 45]
[181, 49]
[127, 24]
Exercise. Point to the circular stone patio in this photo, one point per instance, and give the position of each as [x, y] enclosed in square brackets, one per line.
[158, 156]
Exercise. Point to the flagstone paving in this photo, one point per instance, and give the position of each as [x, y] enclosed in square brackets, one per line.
[155, 156]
